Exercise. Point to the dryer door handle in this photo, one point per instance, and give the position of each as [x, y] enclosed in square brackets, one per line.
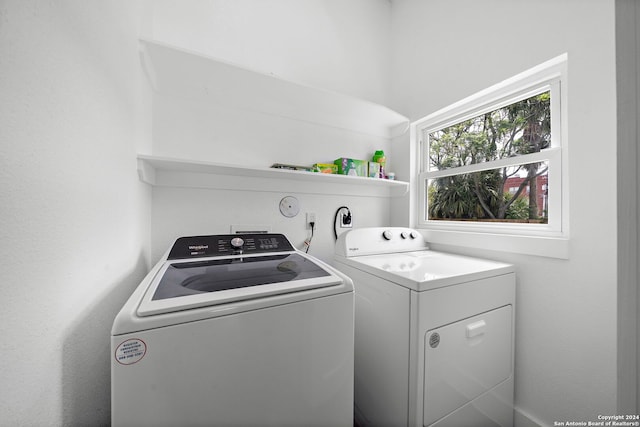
[476, 328]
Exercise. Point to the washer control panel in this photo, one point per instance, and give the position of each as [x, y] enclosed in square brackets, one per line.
[228, 244]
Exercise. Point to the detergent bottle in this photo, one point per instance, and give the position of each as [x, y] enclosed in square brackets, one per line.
[379, 157]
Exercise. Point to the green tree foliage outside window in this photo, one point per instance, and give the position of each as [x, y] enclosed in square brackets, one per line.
[517, 129]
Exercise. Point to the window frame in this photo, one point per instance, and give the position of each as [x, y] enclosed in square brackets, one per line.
[549, 76]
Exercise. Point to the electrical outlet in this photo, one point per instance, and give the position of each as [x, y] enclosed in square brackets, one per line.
[311, 217]
[346, 220]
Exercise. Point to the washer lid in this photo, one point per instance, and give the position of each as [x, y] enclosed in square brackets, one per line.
[192, 283]
[423, 270]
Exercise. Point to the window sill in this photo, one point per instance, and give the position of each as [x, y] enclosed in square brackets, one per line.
[550, 247]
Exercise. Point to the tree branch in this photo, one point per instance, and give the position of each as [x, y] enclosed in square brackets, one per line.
[483, 204]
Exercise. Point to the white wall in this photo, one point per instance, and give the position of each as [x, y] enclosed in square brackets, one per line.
[443, 51]
[333, 45]
[203, 211]
[74, 219]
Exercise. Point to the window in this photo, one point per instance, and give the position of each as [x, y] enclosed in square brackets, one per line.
[493, 162]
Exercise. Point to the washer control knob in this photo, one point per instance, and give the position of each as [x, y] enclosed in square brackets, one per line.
[387, 234]
[237, 242]
[404, 234]
[413, 235]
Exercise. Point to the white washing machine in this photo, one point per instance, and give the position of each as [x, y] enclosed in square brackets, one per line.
[235, 330]
[434, 332]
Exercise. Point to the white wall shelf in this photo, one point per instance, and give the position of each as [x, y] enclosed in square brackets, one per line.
[169, 172]
[179, 72]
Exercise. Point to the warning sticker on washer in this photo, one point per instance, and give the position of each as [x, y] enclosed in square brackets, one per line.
[130, 351]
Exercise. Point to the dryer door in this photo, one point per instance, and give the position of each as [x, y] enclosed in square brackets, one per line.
[465, 359]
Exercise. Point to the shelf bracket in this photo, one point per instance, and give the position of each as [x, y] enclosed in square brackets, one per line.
[146, 172]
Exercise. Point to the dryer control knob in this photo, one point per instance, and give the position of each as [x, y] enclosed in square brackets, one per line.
[413, 235]
[387, 234]
[404, 234]
[237, 242]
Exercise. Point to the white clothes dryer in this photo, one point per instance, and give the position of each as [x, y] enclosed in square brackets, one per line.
[434, 332]
[235, 330]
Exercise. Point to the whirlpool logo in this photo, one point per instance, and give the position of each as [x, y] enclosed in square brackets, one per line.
[198, 247]
[354, 249]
